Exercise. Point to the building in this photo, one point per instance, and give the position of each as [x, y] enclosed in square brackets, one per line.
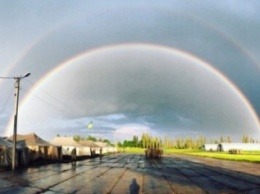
[68, 144]
[239, 146]
[39, 148]
[210, 147]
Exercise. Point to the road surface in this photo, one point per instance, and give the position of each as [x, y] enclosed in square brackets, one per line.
[132, 173]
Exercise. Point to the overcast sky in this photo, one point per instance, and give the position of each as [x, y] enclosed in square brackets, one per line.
[175, 68]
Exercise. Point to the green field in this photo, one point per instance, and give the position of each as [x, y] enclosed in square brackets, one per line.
[248, 156]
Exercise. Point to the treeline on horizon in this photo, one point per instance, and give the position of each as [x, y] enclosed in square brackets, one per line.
[148, 140]
[177, 143]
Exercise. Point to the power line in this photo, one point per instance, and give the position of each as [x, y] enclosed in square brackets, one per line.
[45, 101]
[46, 93]
[7, 100]
[65, 107]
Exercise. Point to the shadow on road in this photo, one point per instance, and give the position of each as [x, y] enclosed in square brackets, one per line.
[134, 188]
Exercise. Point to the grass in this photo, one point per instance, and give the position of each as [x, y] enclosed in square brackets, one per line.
[132, 150]
[247, 156]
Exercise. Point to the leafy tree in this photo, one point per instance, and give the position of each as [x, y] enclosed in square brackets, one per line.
[245, 139]
[166, 142]
[228, 139]
[188, 143]
[221, 139]
[119, 144]
[200, 141]
[135, 140]
[77, 138]
[107, 141]
[128, 143]
[216, 141]
[178, 143]
[145, 140]
[92, 138]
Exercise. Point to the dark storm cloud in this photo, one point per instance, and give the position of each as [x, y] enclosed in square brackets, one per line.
[144, 86]
[225, 34]
[163, 25]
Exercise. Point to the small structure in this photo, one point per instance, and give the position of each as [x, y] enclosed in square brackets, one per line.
[94, 148]
[5, 153]
[226, 147]
[107, 149]
[6, 150]
[210, 147]
[39, 148]
[112, 149]
[103, 147]
[68, 143]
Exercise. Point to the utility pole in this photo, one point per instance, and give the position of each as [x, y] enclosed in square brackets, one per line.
[17, 90]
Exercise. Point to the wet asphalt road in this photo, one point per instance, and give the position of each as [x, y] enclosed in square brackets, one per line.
[130, 173]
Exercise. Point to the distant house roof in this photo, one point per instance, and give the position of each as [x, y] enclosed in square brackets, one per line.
[88, 143]
[31, 140]
[65, 141]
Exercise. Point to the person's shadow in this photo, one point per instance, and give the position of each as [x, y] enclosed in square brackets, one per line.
[134, 187]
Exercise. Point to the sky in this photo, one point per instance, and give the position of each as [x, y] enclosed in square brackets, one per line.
[167, 68]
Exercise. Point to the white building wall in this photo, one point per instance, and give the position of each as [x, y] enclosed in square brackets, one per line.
[239, 146]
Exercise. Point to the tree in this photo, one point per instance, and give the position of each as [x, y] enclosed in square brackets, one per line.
[76, 137]
[200, 142]
[221, 139]
[135, 140]
[146, 140]
[119, 144]
[188, 143]
[228, 139]
[143, 141]
[178, 143]
[92, 138]
[166, 142]
[245, 139]
[107, 141]
[252, 140]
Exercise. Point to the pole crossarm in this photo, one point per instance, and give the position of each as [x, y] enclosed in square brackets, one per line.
[16, 77]
[7, 77]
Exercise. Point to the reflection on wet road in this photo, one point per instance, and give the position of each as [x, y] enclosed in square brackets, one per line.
[132, 173]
